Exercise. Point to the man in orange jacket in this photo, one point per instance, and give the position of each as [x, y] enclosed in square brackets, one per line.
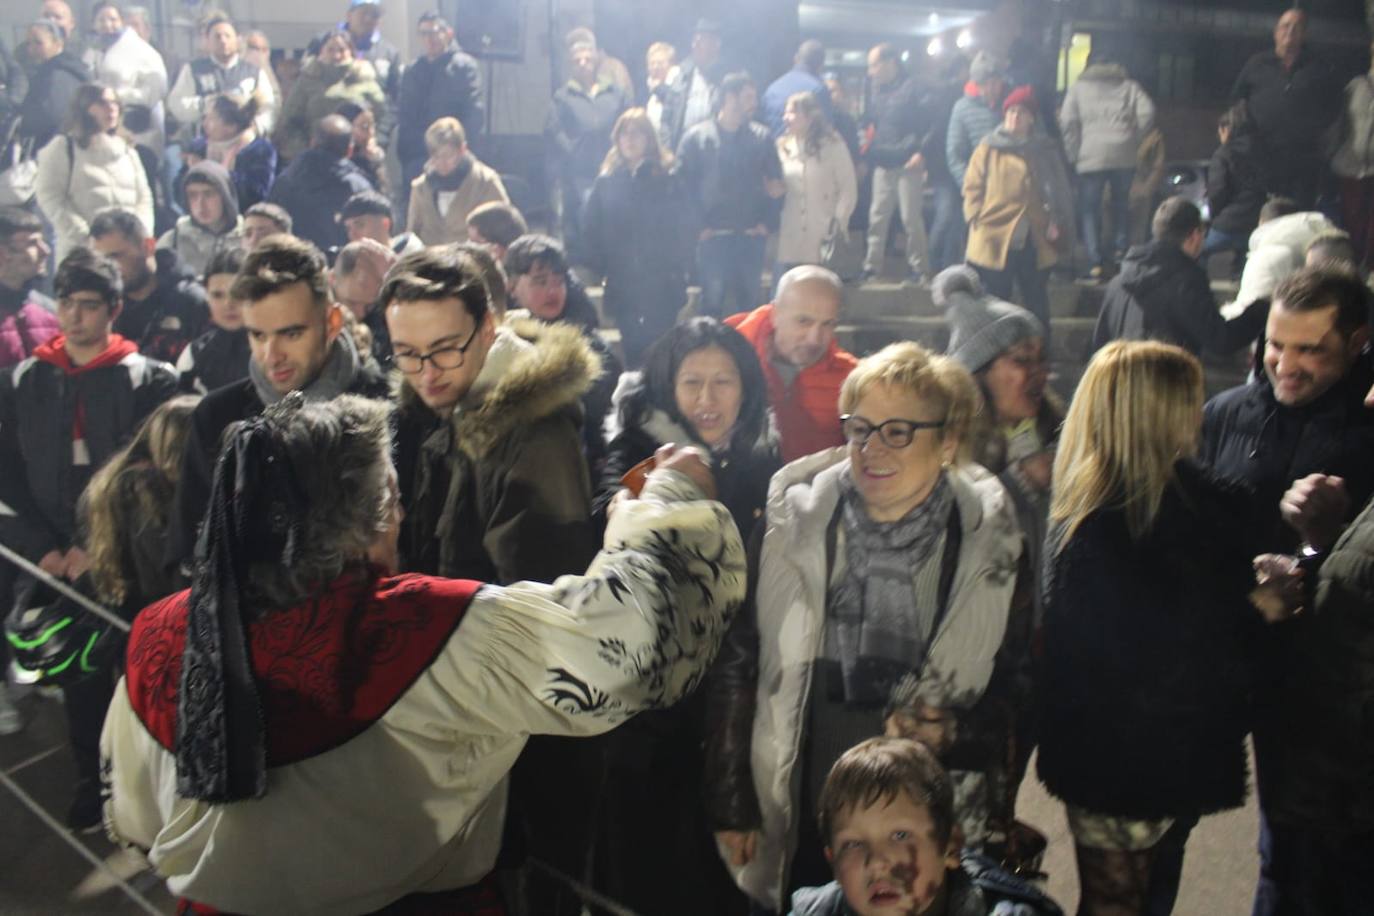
[794, 337]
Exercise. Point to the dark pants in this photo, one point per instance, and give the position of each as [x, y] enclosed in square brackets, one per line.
[1092, 187]
[640, 324]
[1306, 872]
[1218, 241]
[947, 229]
[85, 703]
[654, 789]
[1357, 215]
[1023, 273]
[730, 268]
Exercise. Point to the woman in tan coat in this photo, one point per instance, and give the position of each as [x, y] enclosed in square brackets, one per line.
[821, 190]
[333, 77]
[453, 184]
[1018, 207]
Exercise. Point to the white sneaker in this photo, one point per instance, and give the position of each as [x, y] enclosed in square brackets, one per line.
[11, 722]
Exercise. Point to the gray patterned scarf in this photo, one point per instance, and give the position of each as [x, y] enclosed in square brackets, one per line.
[876, 625]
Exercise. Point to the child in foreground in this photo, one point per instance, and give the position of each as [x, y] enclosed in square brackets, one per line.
[887, 811]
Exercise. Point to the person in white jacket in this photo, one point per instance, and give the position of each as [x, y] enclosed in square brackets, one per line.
[882, 596]
[1277, 248]
[122, 60]
[821, 189]
[1104, 119]
[89, 168]
[375, 717]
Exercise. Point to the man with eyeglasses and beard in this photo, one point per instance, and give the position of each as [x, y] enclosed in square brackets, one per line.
[495, 488]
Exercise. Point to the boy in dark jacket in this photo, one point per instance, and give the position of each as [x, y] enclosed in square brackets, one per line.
[887, 810]
[444, 81]
[1235, 189]
[220, 355]
[164, 304]
[63, 412]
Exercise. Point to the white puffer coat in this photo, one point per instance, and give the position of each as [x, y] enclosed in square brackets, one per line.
[75, 183]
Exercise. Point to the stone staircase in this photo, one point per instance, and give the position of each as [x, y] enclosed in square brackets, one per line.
[882, 311]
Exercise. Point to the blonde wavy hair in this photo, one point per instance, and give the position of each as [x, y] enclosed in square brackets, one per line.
[1137, 411]
[132, 493]
[636, 119]
[938, 380]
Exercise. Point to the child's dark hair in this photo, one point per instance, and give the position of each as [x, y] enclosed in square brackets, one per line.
[880, 769]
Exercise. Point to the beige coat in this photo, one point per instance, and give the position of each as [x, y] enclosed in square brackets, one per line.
[482, 186]
[1000, 189]
[820, 191]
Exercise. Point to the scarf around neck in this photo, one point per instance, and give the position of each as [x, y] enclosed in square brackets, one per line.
[335, 378]
[878, 626]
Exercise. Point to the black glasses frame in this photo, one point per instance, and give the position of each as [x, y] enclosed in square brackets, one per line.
[431, 356]
[881, 429]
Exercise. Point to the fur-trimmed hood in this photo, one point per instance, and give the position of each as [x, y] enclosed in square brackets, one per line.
[663, 428]
[532, 371]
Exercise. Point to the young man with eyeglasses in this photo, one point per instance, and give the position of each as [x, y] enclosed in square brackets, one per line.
[495, 488]
[63, 412]
[794, 337]
[295, 342]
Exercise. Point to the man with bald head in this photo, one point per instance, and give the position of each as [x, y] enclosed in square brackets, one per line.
[1293, 97]
[318, 182]
[60, 12]
[794, 337]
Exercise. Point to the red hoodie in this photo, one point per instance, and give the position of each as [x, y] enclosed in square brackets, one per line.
[808, 413]
[55, 353]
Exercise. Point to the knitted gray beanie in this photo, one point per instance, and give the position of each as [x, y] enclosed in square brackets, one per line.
[982, 327]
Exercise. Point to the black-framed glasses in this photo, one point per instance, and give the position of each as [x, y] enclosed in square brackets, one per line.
[444, 358]
[893, 433]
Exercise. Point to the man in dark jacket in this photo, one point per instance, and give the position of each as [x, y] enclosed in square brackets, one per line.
[319, 181]
[63, 412]
[578, 133]
[805, 76]
[730, 169]
[692, 97]
[294, 335]
[495, 488]
[14, 82]
[52, 83]
[444, 81]
[1304, 416]
[1305, 413]
[1293, 97]
[1315, 785]
[1162, 292]
[1235, 188]
[902, 131]
[164, 304]
[542, 284]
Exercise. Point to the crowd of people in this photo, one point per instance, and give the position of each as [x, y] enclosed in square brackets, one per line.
[444, 600]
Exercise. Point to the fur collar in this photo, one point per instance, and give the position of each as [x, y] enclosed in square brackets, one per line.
[663, 428]
[533, 370]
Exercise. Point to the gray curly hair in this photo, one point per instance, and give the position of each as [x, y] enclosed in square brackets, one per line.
[340, 451]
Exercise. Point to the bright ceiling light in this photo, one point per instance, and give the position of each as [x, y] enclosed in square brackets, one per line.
[935, 48]
[965, 38]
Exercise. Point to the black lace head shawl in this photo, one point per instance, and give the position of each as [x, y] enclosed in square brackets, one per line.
[256, 515]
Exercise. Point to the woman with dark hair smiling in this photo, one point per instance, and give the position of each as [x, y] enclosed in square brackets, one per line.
[701, 385]
[90, 167]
